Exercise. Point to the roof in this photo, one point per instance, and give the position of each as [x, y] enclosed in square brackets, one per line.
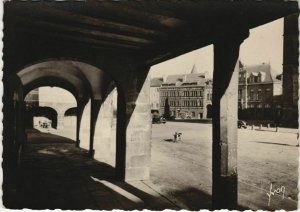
[156, 82]
[194, 69]
[186, 79]
[263, 69]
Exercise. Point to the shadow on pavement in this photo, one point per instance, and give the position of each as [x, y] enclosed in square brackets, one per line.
[57, 175]
[196, 199]
[262, 142]
[35, 136]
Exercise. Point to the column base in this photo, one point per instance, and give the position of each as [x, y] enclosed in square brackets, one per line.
[225, 193]
[91, 153]
[77, 143]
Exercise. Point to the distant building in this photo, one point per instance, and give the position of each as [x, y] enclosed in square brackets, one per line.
[32, 99]
[155, 85]
[188, 95]
[259, 92]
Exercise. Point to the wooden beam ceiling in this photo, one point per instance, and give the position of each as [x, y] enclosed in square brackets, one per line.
[41, 11]
[155, 30]
[79, 31]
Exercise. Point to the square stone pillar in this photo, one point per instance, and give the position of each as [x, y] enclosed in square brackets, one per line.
[225, 102]
[134, 128]
[104, 138]
[290, 84]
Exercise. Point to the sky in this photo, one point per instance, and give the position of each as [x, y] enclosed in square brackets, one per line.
[264, 45]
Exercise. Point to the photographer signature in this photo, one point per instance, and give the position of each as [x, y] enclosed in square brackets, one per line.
[275, 191]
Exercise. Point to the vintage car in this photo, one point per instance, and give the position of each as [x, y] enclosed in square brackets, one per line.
[242, 124]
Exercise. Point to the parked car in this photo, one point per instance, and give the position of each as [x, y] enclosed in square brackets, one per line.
[163, 120]
[158, 120]
[242, 124]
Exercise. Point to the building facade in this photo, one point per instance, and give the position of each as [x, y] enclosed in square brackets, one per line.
[259, 92]
[32, 99]
[186, 96]
[155, 85]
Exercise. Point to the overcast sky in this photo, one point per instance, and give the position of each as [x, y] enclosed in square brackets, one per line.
[264, 44]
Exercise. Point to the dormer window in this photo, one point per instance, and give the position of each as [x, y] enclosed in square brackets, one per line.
[255, 78]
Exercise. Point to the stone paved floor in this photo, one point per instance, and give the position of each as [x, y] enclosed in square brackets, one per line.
[55, 174]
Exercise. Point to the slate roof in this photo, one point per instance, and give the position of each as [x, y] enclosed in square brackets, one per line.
[156, 82]
[263, 69]
[186, 79]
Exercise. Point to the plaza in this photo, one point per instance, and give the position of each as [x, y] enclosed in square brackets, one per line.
[183, 169]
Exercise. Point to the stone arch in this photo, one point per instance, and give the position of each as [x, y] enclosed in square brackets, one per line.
[77, 73]
[86, 82]
[46, 112]
[54, 82]
[71, 111]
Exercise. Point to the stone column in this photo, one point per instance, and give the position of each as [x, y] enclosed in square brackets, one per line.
[290, 84]
[104, 135]
[134, 127]
[95, 107]
[79, 112]
[225, 103]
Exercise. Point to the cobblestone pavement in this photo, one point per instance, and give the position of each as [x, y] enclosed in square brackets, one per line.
[56, 174]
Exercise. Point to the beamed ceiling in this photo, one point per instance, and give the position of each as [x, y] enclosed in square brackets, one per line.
[155, 30]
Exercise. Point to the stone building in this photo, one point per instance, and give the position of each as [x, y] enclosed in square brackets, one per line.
[259, 93]
[32, 99]
[187, 95]
[155, 84]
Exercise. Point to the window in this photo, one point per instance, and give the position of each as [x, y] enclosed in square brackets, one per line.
[255, 79]
[267, 106]
[259, 96]
[259, 106]
[240, 94]
[251, 79]
[193, 114]
[251, 94]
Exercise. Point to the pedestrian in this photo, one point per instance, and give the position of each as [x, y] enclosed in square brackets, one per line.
[179, 136]
[175, 137]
